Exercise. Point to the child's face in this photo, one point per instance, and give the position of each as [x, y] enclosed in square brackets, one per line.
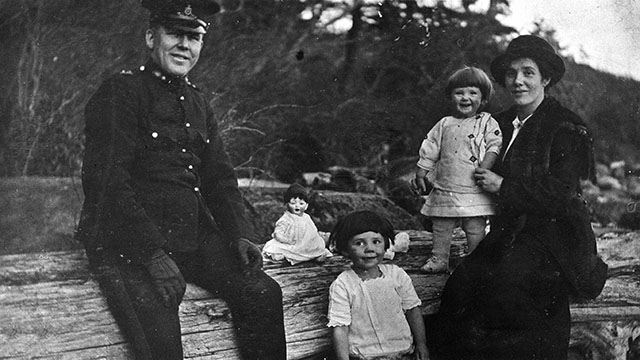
[467, 100]
[366, 250]
[297, 206]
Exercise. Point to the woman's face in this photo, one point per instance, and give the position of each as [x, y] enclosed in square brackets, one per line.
[524, 81]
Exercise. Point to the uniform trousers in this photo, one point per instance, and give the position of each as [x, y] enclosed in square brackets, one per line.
[153, 330]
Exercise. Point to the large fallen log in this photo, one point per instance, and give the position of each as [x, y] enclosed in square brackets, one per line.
[51, 308]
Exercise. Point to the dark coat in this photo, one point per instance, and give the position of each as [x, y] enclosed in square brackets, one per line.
[541, 193]
[509, 299]
[155, 171]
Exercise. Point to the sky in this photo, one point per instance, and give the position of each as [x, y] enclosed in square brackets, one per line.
[604, 34]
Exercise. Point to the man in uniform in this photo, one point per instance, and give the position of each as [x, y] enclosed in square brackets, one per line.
[161, 199]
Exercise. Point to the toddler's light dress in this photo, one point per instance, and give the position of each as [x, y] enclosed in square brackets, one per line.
[451, 151]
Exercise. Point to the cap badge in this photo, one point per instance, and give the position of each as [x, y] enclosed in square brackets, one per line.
[188, 11]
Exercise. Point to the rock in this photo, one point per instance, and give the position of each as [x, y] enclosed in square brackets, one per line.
[316, 179]
[396, 181]
[618, 169]
[265, 206]
[607, 182]
[602, 170]
[606, 206]
[326, 207]
[632, 183]
[631, 218]
[360, 180]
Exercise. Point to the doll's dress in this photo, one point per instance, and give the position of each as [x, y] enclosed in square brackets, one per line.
[301, 240]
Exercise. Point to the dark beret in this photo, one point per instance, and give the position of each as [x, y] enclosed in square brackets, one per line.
[189, 15]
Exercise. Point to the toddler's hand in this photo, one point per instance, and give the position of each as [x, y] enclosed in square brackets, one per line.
[421, 352]
[419, 185]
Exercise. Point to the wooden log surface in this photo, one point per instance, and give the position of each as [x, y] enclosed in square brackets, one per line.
[51, 308]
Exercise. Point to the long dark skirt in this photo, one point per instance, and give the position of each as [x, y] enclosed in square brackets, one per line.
[503, 302]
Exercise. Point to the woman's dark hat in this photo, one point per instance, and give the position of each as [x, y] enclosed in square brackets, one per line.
[186, 15]
[532, 47]
[296, 191]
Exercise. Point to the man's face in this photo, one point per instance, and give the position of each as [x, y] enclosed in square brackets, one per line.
[176, 51]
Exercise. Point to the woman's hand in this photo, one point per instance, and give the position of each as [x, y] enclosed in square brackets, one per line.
[488, 180]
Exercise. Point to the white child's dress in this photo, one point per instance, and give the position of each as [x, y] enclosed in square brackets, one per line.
[374, 311]
[452, 150]
[295, 238]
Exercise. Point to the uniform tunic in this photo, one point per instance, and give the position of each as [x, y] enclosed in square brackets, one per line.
[452, 150]
[155, 176]
[374, 311]
[154, 167]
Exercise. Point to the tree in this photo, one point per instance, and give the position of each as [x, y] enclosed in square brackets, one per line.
[296, 85]
[55, 71]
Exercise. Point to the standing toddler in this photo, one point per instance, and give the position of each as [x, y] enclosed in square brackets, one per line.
[374, 311]
[454, 147]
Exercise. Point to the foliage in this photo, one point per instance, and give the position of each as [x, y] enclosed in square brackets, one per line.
[56, 70]
[295, 90]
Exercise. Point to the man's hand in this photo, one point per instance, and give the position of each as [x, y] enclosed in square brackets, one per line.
[167, 278]
[248, 253]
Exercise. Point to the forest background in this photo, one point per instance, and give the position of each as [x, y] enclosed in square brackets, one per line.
[297, 85]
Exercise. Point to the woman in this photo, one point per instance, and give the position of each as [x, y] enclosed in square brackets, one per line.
[510, 298]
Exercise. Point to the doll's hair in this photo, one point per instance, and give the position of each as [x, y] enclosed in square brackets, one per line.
[470, 76]
[295, 191]
[357, 223]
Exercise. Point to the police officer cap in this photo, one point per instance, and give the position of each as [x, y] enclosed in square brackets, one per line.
[186, 15]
